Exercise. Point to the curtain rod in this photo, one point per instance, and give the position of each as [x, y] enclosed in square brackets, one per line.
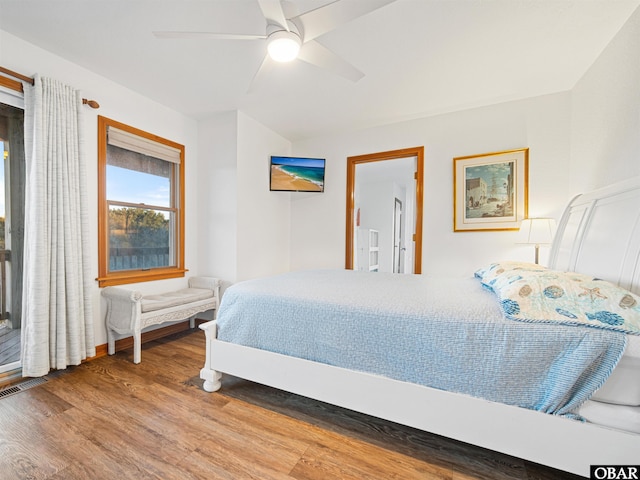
[18, 86]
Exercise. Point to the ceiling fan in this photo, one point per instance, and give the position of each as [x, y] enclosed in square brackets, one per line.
[288, 38]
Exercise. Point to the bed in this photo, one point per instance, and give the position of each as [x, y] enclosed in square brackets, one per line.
[528, 399]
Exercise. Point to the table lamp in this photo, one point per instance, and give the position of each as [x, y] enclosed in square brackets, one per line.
[537, 231]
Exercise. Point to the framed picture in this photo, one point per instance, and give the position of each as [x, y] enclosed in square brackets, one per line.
[490, 191]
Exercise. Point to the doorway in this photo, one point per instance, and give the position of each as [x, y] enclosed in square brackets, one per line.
[374, 182]
[12, 181]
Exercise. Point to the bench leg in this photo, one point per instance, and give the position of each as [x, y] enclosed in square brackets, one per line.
[192, 322]
[111, 342]
[137, 346]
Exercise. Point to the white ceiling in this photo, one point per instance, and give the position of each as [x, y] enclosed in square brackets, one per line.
[420, 57]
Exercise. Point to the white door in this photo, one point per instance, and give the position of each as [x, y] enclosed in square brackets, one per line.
[398, 238]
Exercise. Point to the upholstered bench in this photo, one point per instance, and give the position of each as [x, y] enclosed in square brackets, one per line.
[129, 312]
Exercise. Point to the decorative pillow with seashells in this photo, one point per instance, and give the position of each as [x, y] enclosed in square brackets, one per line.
[565, 297]
[489, 275]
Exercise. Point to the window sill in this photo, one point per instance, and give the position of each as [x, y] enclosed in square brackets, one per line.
[137, 276]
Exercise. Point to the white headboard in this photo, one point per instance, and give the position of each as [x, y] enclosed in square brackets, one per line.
[599, 234]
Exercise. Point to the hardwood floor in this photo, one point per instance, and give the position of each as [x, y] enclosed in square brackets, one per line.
[111, 419]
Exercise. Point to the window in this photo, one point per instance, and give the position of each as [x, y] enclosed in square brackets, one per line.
[141, 205]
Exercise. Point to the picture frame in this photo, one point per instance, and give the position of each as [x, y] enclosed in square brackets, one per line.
[490, 191]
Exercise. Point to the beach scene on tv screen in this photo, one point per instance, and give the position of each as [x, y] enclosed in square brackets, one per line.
[297, 174]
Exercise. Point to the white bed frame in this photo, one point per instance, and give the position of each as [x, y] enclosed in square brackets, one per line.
[599, 234]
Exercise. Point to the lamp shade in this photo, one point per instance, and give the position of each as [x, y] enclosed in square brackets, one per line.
[537, 231]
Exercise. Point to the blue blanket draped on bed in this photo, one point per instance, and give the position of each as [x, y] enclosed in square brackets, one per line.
[448, 334]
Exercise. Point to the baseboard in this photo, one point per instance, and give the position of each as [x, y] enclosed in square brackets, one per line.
[101, 351]
[124, 343]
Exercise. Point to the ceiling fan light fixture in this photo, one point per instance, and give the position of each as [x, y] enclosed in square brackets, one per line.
[283, 46]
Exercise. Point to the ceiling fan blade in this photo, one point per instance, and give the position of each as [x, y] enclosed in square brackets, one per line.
[315, 54]
[272, 11]
[265, 67]
[209, 35]
[326, 18]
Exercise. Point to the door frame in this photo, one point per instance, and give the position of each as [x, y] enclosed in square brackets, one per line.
[12, 95]
[352, 162]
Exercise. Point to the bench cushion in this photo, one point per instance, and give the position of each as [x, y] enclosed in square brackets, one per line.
[150, 303]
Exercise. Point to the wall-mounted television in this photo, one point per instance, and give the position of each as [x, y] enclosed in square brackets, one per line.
[296, 174]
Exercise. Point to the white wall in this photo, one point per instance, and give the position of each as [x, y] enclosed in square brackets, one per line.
[244, 228]
[217, 196]
[605, 136]
[125, 106]
[263, 216]
[542, 124]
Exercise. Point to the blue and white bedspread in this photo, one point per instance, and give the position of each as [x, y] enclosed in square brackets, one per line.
[448, 334]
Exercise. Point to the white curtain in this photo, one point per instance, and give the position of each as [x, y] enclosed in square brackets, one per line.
[57, 322]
